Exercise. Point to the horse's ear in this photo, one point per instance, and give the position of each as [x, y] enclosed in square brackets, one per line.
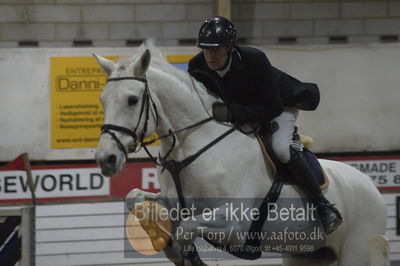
[142, 64]
[107, 65]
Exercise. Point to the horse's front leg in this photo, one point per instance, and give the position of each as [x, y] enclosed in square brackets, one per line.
[185, 255]
[184, 234]
[147, 209]
[181, 249]
[211, 225]
[136, 196]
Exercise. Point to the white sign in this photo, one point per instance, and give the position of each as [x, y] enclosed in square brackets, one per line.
[149, 176]
[54, 183]
[384, 173]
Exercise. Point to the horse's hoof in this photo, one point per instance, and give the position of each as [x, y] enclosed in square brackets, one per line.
[193, 257]
[201, 263]
[157, 226]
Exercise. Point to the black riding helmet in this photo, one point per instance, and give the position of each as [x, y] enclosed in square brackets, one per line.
[216, 32]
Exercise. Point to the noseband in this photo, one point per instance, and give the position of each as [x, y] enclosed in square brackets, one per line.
[144, 110]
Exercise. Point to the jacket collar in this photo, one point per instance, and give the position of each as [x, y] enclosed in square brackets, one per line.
[226, 69]
[237, 62]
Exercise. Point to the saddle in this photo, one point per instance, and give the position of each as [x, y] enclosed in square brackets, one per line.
[264, 139]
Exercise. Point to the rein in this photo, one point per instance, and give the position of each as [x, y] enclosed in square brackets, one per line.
[110, 128]
[175, 167]
[172, 166]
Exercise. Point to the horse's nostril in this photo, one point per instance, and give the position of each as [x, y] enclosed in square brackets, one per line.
[111, 160]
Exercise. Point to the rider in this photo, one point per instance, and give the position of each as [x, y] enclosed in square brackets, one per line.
[254, 91]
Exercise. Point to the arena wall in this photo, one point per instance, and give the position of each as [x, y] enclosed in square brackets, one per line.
[93, 234]
[61, 23]
[356, 69]
[358, 84]
[358, 113]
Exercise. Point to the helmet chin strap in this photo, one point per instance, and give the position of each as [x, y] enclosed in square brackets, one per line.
[223, 70]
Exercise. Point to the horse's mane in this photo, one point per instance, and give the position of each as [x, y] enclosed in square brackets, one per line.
[158, 61]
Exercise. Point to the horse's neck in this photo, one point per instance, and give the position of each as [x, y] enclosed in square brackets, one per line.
[180, 107]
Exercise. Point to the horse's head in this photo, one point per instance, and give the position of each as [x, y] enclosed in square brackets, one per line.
[128, 113]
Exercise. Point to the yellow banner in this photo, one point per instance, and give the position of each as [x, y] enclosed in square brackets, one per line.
[76, 111]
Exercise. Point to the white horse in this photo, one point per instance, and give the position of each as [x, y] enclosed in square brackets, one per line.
[146, 94]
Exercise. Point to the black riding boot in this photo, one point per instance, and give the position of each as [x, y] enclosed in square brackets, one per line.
[304, 177]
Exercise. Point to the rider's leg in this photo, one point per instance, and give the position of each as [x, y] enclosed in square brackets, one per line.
[282, 137]
[304, 177]
[297, 165]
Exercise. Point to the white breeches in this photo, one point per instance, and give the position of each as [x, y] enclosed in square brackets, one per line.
[282, 138]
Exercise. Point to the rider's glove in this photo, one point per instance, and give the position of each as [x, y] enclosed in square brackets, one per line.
[221, 112]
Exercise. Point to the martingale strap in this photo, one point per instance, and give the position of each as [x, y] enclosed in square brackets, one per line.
[172, 166]
[175, 167]
[251, 250]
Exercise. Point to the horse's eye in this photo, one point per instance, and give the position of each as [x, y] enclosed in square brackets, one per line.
[132, 100]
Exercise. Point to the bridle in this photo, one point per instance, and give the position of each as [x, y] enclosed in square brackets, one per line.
[144, 111]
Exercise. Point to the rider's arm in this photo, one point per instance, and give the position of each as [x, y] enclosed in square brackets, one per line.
[267, 105]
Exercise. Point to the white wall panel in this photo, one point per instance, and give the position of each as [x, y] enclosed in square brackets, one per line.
[359, 87]
[72, 237]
